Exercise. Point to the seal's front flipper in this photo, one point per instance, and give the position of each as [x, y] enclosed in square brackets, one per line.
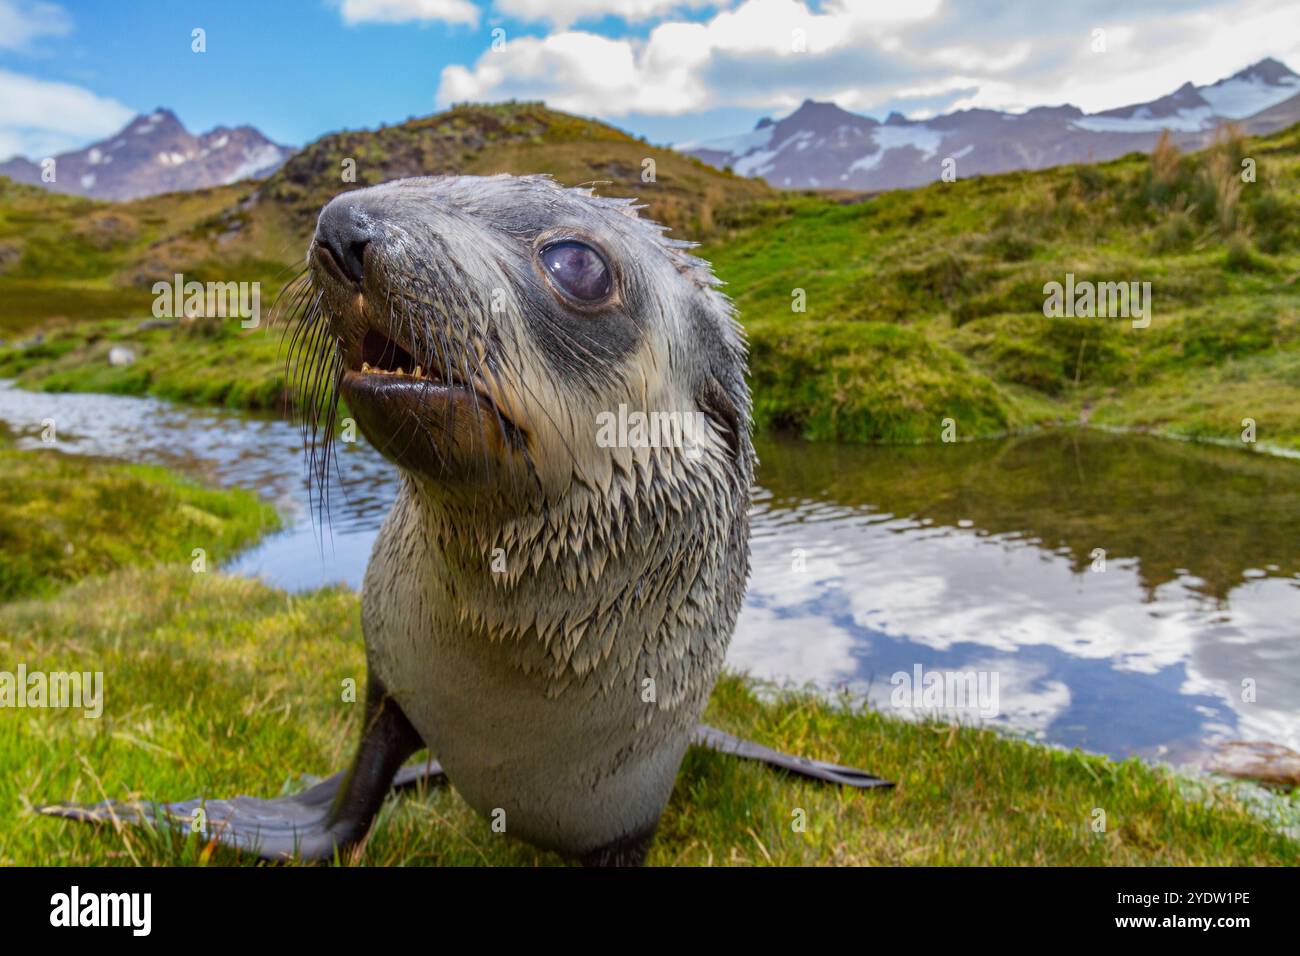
[722, 742]
[334, 814]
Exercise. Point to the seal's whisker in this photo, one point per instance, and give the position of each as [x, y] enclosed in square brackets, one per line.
[304, 322]
[299, 318]
[302, 350]
[316, 375]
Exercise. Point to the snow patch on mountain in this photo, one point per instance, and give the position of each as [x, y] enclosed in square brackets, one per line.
[258, 161]
[1183, 121]
[1239, 97]
[887, 138]
[919, 137]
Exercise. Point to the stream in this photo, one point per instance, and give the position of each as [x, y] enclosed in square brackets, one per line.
[1124, 594]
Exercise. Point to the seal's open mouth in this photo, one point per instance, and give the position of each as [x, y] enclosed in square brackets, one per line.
[383, 379]
[380, 355]
[384, 363]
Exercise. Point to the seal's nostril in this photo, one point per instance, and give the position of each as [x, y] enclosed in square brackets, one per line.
[353, 259]
[345, 236]
[348, 255]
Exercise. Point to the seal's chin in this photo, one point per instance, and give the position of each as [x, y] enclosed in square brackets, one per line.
[426, 420]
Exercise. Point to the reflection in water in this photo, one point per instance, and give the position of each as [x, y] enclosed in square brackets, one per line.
[868, 562]
[980, 557]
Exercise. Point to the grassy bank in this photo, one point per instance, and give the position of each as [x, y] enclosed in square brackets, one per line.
[63, 518]
[208, 362]
[871, 320]
[221, 685]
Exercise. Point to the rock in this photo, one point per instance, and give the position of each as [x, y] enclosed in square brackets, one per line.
[147, 324]
[1267, 763]
[119, 356]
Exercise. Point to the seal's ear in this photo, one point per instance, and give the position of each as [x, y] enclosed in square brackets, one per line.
[719, 408]
[719, 358]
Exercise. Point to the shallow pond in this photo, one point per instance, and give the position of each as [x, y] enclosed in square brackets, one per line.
[980, 559]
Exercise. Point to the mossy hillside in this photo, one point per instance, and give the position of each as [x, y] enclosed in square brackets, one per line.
[917, 306]
[944, 285]
[521, 139]
[67, 258]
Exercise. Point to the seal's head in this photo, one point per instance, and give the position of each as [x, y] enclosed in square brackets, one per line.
[505, 338]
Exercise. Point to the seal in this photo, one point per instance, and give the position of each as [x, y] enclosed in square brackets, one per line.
[549, 602]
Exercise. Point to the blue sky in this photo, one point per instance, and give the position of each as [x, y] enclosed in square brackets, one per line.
[72, 71]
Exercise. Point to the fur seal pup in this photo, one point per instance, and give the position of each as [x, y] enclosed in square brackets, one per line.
[548, 603]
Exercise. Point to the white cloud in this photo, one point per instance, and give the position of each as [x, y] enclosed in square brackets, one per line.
[39, 118]
[563, 13]
[575, 71]
[407, 11]
[22, 21]
[872, 57]
[665, 73]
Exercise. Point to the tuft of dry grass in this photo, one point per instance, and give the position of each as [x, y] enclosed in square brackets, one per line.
[1223, 171]
[1165, 160]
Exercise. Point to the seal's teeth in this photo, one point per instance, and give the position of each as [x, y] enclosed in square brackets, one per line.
[419, 372]
[365, 366]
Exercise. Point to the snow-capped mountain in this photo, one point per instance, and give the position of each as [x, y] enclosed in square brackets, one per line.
[820, 146]
[156, 154]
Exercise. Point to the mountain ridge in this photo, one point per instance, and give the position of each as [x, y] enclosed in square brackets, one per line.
[154, 154]
[822, 146]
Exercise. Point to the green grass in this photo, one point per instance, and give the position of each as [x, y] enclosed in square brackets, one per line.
[1212, 403]
[63, 518]
[218, 685]
[207, 362]
[38, 301]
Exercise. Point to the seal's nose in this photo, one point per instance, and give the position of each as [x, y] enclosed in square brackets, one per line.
[345, 236]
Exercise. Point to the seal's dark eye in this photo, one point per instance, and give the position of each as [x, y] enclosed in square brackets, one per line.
[577, 269]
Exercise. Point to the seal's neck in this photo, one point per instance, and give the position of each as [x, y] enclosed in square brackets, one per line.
[570, 581]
